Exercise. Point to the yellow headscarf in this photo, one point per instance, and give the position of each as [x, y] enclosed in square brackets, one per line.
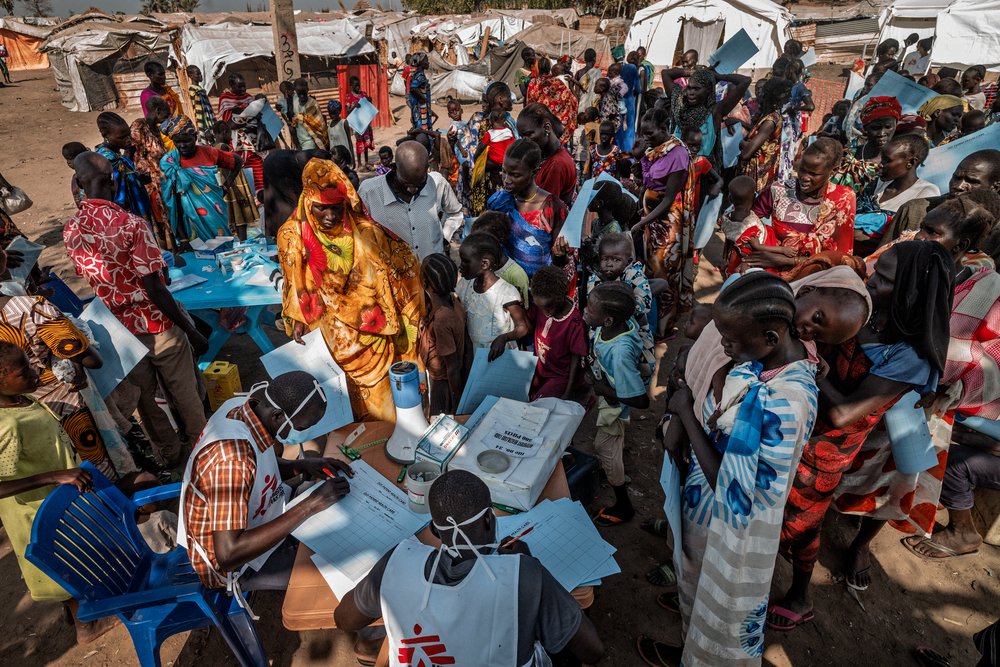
[939, 103]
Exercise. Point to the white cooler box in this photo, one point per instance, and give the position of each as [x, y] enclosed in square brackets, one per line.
[527, 438]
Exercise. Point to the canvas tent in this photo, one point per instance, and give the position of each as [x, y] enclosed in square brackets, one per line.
[554, 41]
[214, 48]
[904, 17]
[24, 44]
[968, 33]
[671, 25]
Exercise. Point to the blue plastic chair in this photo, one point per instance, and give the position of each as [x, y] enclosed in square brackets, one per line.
[63, 297]
[91, 545]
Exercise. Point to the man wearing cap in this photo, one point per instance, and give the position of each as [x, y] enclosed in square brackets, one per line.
[415, 204]
[232, 515]
[469, 602]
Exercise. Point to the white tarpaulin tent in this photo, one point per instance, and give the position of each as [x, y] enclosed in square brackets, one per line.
[968, 33]
[699, 24]
[213, 48]
[905, 17]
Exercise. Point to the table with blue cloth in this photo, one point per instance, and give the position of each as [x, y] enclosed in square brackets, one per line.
[226, 291]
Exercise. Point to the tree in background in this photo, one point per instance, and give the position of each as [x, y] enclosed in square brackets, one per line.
[35, 7]
[168, 6]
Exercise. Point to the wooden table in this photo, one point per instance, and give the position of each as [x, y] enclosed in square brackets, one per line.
[309, 602]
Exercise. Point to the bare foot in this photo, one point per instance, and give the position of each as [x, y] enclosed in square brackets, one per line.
[92, 630]
[945, 543]
[858, 571]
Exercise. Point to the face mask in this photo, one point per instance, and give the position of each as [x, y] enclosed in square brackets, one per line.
[286, 428]
[455, 550]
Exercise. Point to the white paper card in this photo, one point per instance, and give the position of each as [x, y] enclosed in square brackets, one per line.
[119, 348]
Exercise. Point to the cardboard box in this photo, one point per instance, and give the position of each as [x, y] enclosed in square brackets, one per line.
[222, 379]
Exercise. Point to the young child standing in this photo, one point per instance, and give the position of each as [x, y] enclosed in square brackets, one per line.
[744, 231]
[619, 384]
[385, 164]
[497, 225]
[581, 145]
[339, 132]
[560, 338]
[35, 455]
[604, 156]
[442, 334]
[494, 314]
[617, 263]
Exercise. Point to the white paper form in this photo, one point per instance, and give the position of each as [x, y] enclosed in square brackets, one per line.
[565, 540]
[30, 253]
[507, 376]
[119, 348]
[352, 534]
[314, 358]
[362, 116]
[670, 482]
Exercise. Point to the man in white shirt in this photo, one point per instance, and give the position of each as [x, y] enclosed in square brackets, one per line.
[415, 204]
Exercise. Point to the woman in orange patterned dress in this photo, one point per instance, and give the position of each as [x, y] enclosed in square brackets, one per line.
[353, 280]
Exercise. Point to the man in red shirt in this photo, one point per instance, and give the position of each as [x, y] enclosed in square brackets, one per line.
[115, 251]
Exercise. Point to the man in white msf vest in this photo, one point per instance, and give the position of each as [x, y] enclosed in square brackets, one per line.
[469, 601]
[232, 515]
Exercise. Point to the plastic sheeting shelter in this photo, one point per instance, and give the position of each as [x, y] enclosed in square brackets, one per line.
[554, 41]
[24, 44]
[968, 33]
[669, 25]
[213, 48]
[904, 17]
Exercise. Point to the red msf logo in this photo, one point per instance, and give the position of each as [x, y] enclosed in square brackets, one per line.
[270, 486]
[431, 653]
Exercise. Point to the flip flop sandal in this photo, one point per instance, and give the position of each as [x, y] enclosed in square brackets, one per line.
[940, 548]
[663, 575]
[650, 652]
[605, 520]
[795, 620]
[669, 601]
[656, 527]
[928, 657]
[850, 578]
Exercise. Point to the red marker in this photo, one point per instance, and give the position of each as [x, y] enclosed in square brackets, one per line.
[519, 536]
[328, 473]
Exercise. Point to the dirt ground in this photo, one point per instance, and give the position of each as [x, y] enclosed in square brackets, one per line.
[911, 602]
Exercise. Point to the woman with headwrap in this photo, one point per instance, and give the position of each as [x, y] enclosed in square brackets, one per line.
[419, 92]
[694, 105]
[349, 278]
[193, 186]
[149, 146]
[859, 169]
[901, 348]
[130, 192]
[943, 114]
[550, 90]
[233, 103]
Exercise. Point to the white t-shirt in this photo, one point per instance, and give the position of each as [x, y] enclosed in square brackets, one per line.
[485, 315]
[921, 189]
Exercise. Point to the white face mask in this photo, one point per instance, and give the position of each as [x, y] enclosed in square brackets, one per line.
[286, 428]
[456, 549]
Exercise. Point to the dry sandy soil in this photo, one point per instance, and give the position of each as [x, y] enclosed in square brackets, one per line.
[911, 602]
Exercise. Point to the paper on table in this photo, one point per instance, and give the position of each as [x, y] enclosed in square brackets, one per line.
[507, 376]
[30, 252]
[572, 229]
[942, 161]
[909, 436]
[185, 281]
[565, 540]
[734, 53]
[354, 533]
[362, 116]
[119, 348]
[670, 482]
[272, 121]
[707, 219]
[731, 144]
[314, 358]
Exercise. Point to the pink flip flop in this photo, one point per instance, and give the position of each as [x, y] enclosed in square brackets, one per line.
[789, 615]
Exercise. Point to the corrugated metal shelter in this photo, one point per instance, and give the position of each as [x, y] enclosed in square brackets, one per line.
[844, 41]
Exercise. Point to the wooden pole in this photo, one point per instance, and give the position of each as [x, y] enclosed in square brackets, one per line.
[286, 41]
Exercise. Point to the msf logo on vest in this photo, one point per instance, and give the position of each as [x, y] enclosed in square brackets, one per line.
[423, 651]
[272, 492]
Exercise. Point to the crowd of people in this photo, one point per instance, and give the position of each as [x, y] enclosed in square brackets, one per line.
[853, 287]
